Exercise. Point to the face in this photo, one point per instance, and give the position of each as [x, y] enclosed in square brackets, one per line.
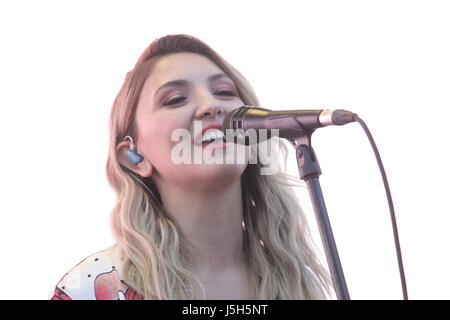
[206, 95]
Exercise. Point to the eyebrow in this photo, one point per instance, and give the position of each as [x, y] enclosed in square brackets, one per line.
[185, 83]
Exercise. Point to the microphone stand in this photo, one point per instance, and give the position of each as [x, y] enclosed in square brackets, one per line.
[309, 170]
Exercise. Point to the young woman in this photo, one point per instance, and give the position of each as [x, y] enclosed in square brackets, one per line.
[193, 230]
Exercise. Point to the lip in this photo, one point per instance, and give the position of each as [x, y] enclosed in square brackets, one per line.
[198, 138]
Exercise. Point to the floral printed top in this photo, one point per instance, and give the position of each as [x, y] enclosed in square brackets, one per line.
[98, 277]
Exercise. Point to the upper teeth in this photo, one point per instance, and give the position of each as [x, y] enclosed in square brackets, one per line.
[212, 134]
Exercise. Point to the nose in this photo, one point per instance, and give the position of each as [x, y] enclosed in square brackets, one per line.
[210, 111]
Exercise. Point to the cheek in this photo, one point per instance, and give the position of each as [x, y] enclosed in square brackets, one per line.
[158, 140]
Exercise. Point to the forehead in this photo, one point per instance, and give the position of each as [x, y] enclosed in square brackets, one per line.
[182, 65]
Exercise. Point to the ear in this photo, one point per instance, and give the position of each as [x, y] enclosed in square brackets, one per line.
[143, 168]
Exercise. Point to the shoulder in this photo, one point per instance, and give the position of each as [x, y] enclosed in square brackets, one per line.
[97, 277]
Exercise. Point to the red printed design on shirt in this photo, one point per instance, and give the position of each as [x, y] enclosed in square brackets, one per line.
[132, 295]
[60, 295]
[108, 286]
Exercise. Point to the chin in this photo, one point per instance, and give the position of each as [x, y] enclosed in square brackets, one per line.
[220, 169]
[212, 174]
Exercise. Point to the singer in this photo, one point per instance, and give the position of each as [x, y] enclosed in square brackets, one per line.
[193, 231]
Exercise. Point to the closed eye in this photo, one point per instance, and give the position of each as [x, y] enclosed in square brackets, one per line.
[181, 99]
[174, 101]
[225, 93]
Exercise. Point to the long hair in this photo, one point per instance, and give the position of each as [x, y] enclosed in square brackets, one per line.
[277, 242]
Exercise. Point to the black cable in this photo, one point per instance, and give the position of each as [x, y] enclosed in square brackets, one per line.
[391, 205]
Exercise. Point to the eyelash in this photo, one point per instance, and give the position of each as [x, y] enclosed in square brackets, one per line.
[172, 102]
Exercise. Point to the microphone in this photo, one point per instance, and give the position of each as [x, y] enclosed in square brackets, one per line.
[290, 123]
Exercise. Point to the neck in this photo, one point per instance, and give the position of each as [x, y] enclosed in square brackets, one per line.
[211, 219]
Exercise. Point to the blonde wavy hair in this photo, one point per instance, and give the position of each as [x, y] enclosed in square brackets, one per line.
[277, 242]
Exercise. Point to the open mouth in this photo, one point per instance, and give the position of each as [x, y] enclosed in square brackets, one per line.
[214, 141]
[213, 136]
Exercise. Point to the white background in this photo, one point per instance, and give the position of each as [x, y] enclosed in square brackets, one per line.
[62, 64]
